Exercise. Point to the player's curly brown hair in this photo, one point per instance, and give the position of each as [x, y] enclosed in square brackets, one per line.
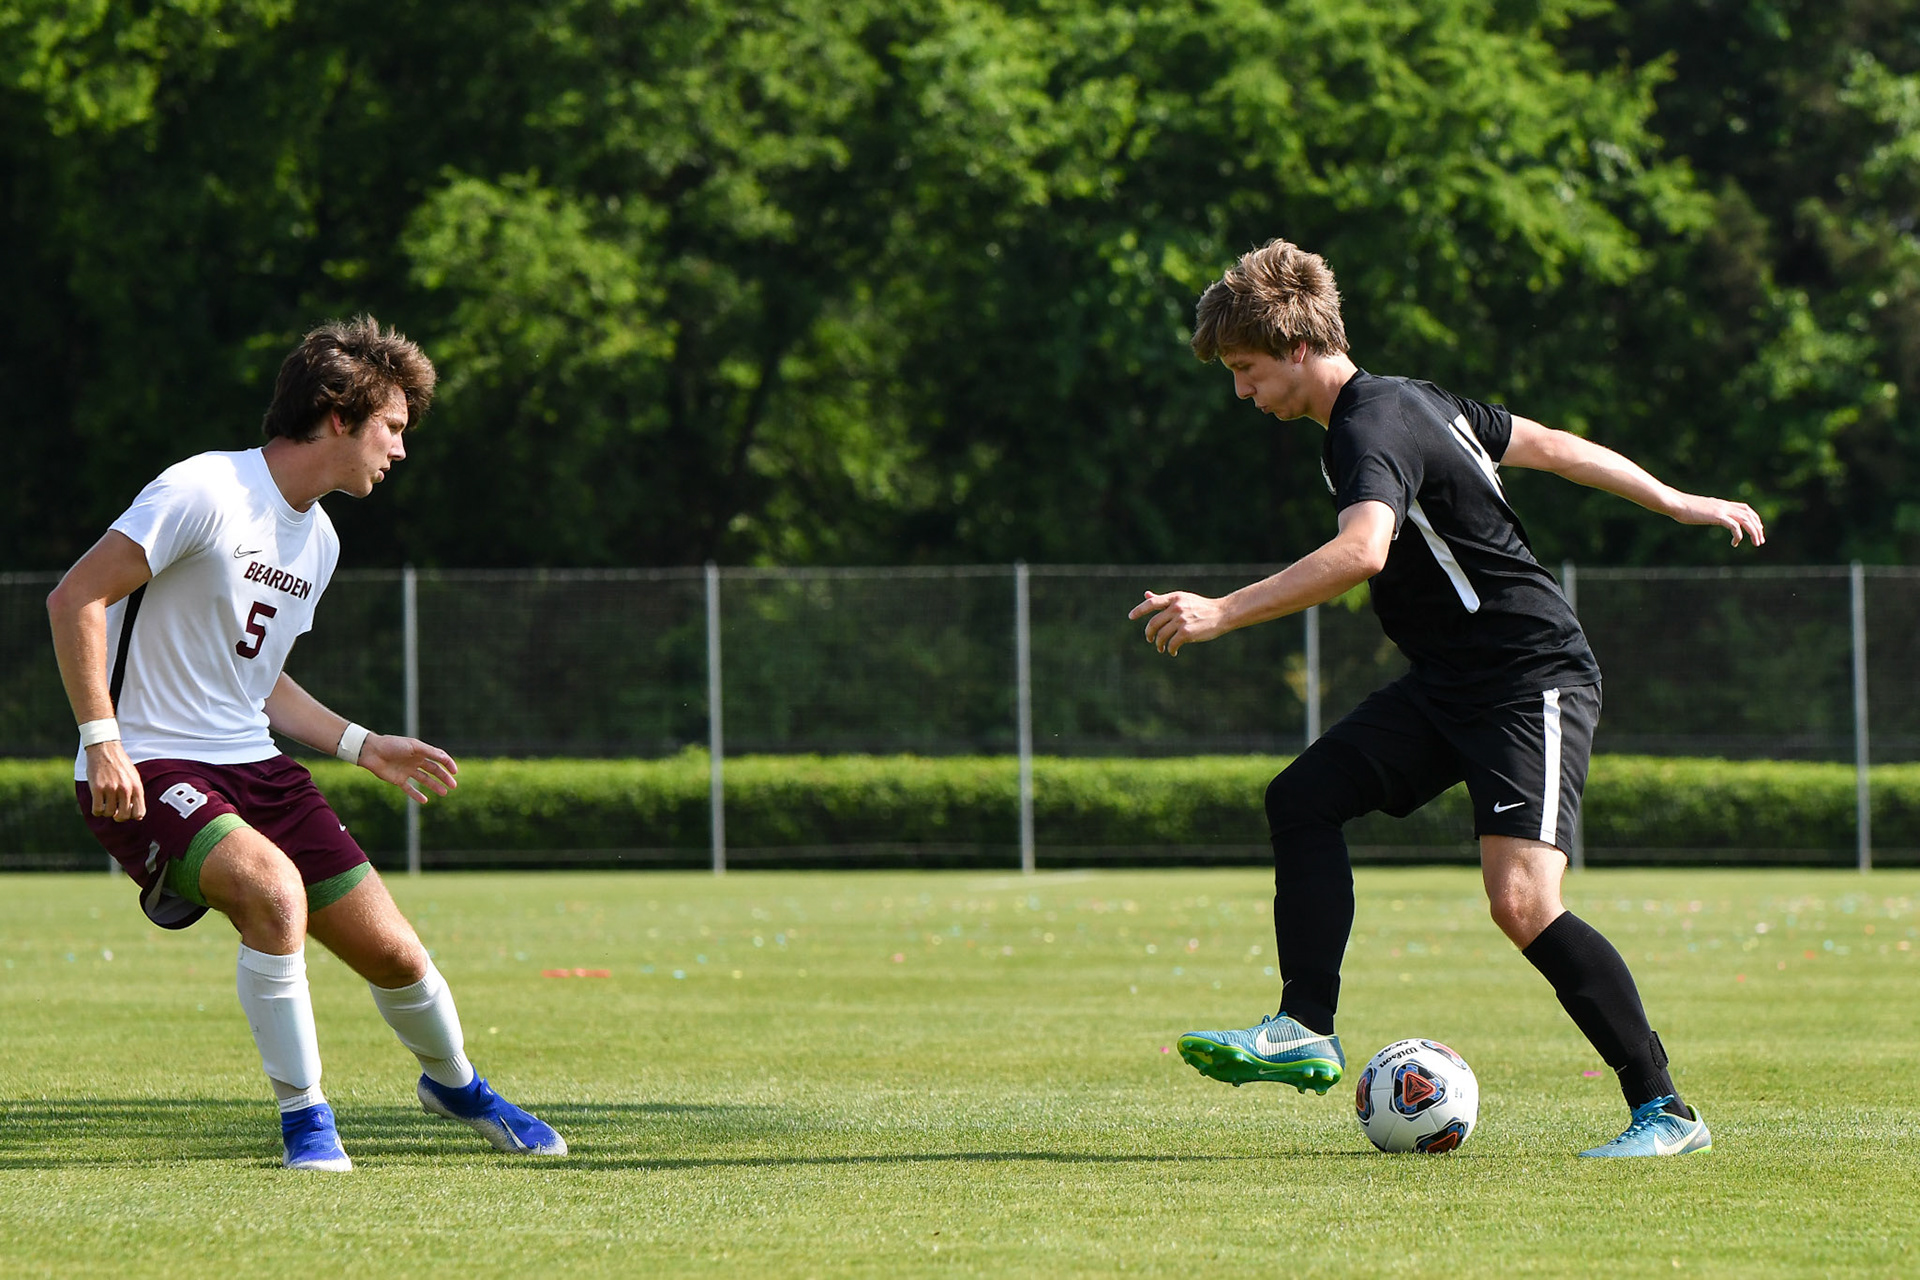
[348, 367]
[1274, 298]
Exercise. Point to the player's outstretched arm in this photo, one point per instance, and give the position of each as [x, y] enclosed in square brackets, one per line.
[408, 763]
[1355, 554]
[77, 610]
[1598, 467]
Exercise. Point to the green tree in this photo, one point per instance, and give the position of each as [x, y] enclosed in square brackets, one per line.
[910, 279]
[1454, 173]
[1773, 350]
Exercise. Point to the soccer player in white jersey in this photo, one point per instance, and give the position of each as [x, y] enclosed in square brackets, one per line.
[1502, 692]
[171, 633]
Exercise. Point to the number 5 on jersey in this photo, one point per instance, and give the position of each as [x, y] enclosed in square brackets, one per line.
[257, 628]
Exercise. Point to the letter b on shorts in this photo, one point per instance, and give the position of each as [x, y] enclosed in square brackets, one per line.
[183, 798]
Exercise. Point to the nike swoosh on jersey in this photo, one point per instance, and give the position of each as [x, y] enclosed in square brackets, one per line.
[1502, 808]
[238, 554]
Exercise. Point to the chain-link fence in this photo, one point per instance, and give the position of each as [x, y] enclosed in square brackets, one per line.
[1738, 663]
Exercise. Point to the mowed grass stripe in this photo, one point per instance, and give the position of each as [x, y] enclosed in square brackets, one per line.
[955, 1072]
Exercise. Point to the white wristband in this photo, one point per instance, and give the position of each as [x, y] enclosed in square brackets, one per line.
[351, 741]
[94, 732]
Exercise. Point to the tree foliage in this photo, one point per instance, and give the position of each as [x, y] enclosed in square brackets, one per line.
[1779, 341]
[909, 279]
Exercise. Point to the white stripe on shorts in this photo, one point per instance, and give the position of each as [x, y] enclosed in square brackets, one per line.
[1550, 802]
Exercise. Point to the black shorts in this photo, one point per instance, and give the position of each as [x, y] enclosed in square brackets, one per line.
[1524, 760]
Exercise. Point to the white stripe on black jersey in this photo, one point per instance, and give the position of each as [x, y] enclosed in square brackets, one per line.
[1466, 601]
[1478, 452]
[1443, 555]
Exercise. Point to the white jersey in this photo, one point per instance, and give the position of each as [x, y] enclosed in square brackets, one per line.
[237, 571]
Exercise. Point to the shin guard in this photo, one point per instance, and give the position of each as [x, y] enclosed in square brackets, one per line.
[423, 1017]
[279, 1009]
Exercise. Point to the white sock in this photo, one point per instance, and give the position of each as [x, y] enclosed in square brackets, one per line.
[279, 1009]
[424, 1018]
[292, 1099]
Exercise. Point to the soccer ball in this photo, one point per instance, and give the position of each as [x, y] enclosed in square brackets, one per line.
[1417, 1095]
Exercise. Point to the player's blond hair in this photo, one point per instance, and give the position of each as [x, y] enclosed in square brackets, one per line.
[1273, 299]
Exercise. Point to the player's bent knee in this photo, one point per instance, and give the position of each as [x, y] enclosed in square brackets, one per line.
[1328, 784]
[247, 878]
[1521, 917]
[1293, 800]
[364, 928]
[1505, 913]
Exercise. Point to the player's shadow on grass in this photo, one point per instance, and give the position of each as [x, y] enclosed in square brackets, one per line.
[654, 1135]
[377, 1132]
[44, 1133]
[596, 1160]
[52, 1133]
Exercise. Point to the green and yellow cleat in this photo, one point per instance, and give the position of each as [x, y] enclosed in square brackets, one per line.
[1278, 1050]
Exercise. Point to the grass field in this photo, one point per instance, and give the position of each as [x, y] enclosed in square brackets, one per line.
[881, 1074]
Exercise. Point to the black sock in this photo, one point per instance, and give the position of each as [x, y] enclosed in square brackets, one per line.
[1328, 785]
[1595, 988]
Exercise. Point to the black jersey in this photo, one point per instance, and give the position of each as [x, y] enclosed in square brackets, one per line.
[1461, 594]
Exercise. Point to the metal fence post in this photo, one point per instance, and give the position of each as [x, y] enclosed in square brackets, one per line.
[1570, 588]
[1862, 792]
[1023, 678]
[716, 745]
[410, 681]
[1312, 698]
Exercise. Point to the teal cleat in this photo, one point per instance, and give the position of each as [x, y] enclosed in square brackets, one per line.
[1278, 1050]
[1654, 1132]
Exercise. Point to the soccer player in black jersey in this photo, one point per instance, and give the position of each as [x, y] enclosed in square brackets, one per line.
[1503, 692]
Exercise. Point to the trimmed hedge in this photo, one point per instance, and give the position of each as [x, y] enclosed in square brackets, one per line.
[794, 810]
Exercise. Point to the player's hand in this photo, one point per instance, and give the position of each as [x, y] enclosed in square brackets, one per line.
[409, 764]
[1179, 617]
[1691, 508]
[114, 783]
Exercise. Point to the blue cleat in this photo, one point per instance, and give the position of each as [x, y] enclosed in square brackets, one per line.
[312, 1141]
[478, 1107]
[1655, 1132]
[1279, 1050]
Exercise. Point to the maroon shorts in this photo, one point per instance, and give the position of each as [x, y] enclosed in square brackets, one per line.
[191, 806]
